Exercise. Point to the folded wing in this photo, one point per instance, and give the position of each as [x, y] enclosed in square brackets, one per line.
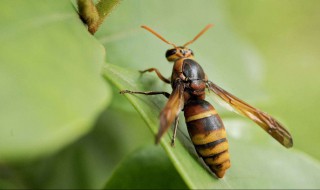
[172, 109]
[264, 120]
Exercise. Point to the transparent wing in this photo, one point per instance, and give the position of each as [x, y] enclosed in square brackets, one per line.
[171, 110]
[264, 120]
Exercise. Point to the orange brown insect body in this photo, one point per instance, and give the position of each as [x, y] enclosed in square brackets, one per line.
[205, 127]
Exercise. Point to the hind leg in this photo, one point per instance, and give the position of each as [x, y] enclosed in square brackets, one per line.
[176, 123]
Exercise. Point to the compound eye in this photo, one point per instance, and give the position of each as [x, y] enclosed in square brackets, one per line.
[191, 52]
[171, 52]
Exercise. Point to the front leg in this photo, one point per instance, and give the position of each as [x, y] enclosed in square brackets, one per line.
[166, 94]
[158, 73]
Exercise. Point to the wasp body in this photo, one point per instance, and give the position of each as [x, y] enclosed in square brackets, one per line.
[208, 135]
[205, 127]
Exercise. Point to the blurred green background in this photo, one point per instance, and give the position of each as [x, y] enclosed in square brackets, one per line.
[286, 33]
[52, 94]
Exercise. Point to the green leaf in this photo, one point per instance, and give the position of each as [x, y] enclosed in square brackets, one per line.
[51, 88]
[258, 161]
[150, 167]
[149, 110]
[87, 163]
[105, 7]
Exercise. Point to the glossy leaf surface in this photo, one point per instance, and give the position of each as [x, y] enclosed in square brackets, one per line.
[51, 91]
[258, 161]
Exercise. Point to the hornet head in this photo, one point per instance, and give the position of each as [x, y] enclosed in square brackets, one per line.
[178, 52]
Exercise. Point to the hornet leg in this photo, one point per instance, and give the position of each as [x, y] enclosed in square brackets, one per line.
[166, 94]
[158, 73]
[176, 123]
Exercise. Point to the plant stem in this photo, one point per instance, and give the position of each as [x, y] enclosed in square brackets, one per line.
[94, 15]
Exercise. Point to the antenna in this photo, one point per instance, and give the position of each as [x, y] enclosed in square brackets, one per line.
[158, 35]
[197, 36]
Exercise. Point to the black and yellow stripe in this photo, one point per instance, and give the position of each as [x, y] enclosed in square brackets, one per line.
[208, 135]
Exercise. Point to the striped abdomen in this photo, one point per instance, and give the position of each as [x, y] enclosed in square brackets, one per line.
[208, 135]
